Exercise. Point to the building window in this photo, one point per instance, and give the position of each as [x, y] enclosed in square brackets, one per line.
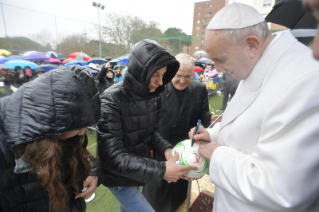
[202, 40]
[209, 6]
[202, 47]
[198, 14]
[197, 28]
[196, 47]
[267, 3]
[203, 33]
[206, 20]
[204, 26]
[199, 7]
[208, 13]
[198, 21]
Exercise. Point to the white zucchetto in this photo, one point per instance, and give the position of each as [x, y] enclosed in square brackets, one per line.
[235, 16]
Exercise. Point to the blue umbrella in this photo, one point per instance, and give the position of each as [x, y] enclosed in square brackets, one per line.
[76, 62]
[49, 67]
[91, 70]
[22, 63]
[5, 59]
[97, 60]
[49, 53]
[123, 61]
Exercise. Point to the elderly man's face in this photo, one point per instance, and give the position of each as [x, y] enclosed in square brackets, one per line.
[229, 57]
[313, 6]
[183, 76]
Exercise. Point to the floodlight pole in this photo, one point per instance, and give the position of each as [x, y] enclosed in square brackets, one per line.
[99, 30]
[5, 28]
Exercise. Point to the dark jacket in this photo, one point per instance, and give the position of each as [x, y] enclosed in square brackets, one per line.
[61, 101]
[175, 122]
[103, 81]
[127, 129]
[8, 78]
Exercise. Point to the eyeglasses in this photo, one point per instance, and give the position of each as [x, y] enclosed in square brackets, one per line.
[188, 77]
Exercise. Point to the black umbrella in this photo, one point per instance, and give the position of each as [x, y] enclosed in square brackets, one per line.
[289, 13]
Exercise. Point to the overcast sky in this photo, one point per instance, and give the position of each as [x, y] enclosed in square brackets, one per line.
[26, 17]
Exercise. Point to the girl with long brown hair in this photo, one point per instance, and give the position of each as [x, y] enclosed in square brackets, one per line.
[44, 164]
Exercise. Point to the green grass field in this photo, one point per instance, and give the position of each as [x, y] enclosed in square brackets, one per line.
[104, 200]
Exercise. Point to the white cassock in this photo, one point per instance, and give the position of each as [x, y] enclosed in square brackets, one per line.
[269, 161]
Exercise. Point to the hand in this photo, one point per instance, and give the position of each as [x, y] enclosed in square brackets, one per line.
[108, 65]
[173, 171]
[207, 150]
[167, 153]
[212, 119]
[202, 135]
[91, 183]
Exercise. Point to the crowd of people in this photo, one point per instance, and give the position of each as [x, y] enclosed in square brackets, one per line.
[263, 153]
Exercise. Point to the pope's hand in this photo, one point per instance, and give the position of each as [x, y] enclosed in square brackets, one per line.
[214, 117]
[202, 135]
[207, 150]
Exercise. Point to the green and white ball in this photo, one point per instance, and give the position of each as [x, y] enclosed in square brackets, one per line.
[189, 156]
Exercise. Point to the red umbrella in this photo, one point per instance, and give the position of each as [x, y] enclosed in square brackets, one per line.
[80, 56]
[53, 60]
[67, 60]
[198, 69]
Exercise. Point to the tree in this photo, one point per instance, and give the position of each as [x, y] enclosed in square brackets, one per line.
[43, 37]
[177, 38]
[121, 32]
[71, 43]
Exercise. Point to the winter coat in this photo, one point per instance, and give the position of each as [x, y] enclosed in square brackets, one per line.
[103, 81]
[175, 122]
[60, 101]
[118, 77]
[127, 129]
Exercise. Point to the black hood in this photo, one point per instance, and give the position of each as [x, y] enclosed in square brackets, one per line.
[110, 70]
[57, 102]
[146, 57]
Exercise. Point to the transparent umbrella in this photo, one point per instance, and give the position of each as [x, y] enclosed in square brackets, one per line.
[200, 54]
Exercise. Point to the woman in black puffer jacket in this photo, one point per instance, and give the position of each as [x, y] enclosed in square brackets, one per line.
[43, 160]
[127, 129]
[106, 78]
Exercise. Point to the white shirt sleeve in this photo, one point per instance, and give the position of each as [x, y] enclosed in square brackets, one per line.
[214, 132]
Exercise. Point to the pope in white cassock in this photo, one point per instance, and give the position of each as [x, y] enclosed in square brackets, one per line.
[264, 154]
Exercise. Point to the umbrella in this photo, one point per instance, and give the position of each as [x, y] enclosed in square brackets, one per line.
[125, 61]
[67, 60]
[108, 58]
[76, 62]
[2, 66]
[97, 60]
[91, 70]
[5, 59]
[49, 67]
[53, 60]
[117, 59]
[5, 52]
[80, 56]
[29, 52]
[198, 69]
[212, 72]
[200, 54]
[39, 69]
[36, 57]
[22, 63]
[289, 13]
[50, 53]
[205, 61]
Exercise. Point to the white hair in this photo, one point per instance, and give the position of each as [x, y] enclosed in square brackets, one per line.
[185, 59]
[237, 36]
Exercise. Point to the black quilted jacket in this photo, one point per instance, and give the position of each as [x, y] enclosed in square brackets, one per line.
[58, 102]
[128, 125]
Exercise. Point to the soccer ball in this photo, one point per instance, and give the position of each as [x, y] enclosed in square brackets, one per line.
[189, 156]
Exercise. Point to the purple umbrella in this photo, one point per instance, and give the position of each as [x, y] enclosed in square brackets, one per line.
[36, 57]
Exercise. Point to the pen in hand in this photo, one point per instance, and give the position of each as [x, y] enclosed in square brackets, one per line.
[196, 130]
